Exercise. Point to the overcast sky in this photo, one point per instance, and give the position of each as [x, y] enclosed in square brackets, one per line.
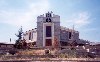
[84, 14]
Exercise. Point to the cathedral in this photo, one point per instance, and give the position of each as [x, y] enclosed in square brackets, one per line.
[48, 29]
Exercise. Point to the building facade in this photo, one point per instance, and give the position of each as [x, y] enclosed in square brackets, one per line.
[48, 29]
[30, 36]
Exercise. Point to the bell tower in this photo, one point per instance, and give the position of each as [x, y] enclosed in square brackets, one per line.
[48, 30]
[48, 27]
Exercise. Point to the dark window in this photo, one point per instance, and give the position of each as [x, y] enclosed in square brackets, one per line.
[70, 35]
[48, 31]
[48, 15]
[30, 36]
[48, 42]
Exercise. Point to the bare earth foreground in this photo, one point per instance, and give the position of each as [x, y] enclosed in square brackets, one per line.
[28, 57]
[56, 60]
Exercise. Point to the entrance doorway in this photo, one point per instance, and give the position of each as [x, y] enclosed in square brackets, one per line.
[48, 42]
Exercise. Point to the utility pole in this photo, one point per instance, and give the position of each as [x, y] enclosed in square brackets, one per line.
[10, 39]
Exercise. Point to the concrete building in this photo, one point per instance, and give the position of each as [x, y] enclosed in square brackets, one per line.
[48, 28]
[31, 35]
[68, 35]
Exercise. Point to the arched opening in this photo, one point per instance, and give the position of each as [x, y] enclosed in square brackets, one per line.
[48, 20]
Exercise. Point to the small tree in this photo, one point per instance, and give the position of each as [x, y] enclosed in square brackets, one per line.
[12, 52]
[18, 41]
[20, 34]
[24, 44]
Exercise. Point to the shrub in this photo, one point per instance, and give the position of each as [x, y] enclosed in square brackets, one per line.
[12, 52]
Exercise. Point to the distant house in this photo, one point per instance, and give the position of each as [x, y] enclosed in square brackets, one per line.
[4, 46]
